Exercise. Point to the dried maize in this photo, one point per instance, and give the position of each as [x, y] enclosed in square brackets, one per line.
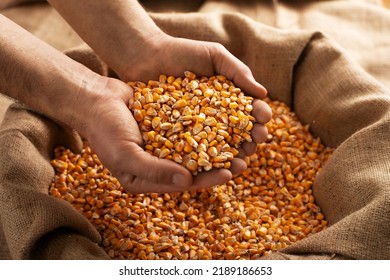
[268, 207]
[196, 114]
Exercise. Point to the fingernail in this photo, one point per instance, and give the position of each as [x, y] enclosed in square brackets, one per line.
[178, 179]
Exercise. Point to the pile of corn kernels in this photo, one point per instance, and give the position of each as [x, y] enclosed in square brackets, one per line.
[198, 123]
[266, 208]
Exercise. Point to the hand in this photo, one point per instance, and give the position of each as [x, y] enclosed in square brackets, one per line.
[113, 134]
[172, 56]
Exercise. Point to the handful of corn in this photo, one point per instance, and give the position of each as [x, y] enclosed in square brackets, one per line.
[266, 208]
[198, 123]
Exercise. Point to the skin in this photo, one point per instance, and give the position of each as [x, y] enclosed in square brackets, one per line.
[136, 49]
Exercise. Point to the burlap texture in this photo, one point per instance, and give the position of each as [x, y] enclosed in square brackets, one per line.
[328, 82]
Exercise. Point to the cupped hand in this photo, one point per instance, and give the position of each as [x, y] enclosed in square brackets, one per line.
[172, 56]
[113, 134]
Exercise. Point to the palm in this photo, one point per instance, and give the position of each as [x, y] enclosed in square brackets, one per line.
[127, 159]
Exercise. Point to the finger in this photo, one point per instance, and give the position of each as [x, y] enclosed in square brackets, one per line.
[248, 148]
[259, 133]
[206, 179]
[241, 151]
[261, 111]
[137, 185]
[150, 168]
[212, 178]
[236, 71]
[238, 166]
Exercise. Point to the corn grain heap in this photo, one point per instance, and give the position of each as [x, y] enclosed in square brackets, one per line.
[198, 123]
[266, 208]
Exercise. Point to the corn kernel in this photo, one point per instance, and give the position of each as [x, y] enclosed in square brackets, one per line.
[266, 208]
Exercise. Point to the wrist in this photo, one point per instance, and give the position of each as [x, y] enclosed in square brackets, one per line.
[122, 30]
[42, 77]
[81, 96]
[99, 106]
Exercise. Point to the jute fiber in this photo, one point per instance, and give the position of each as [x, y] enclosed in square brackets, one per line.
[327, 60]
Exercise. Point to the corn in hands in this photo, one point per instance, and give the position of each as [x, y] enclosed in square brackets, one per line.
[198, 123]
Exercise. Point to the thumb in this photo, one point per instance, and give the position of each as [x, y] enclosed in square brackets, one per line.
[235, 70]
[155, 170]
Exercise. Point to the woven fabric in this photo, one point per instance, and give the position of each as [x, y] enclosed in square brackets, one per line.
[333, 78]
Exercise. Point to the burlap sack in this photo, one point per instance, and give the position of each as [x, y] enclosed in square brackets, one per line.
[328, 87]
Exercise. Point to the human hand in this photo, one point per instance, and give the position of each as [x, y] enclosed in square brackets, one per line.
[172, 56]
[113, 134]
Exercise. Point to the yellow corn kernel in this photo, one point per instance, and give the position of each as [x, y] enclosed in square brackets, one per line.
[266, 208]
